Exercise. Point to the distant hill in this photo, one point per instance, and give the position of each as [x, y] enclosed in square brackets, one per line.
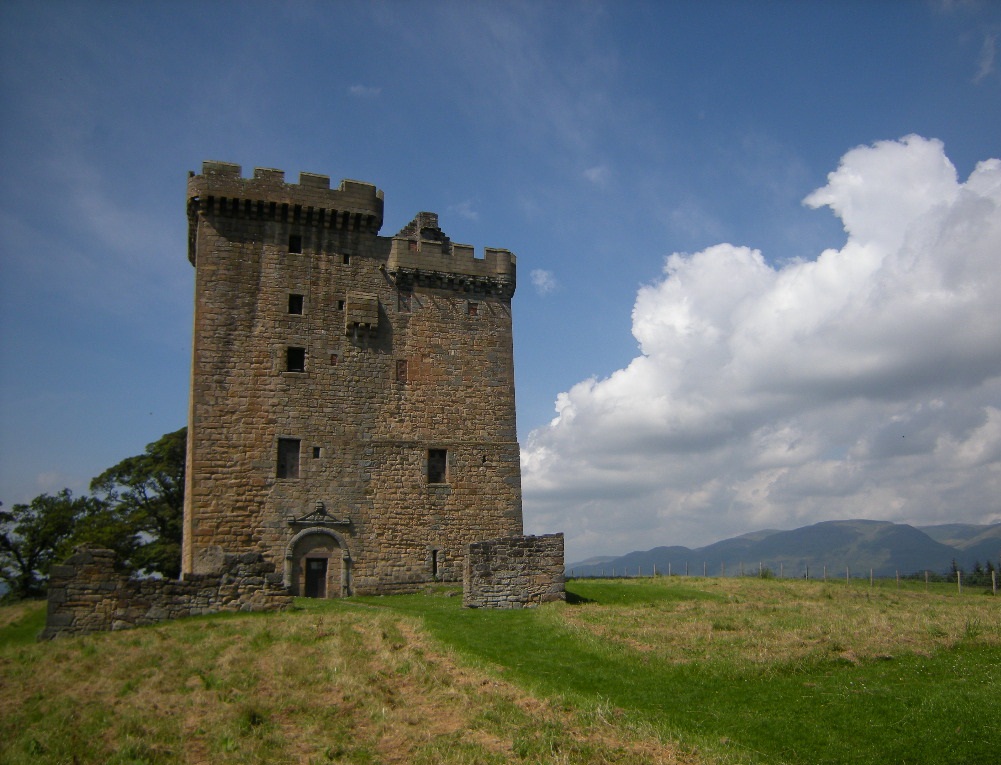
[858, 545]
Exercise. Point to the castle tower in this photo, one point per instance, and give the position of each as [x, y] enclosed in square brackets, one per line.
[352, 395]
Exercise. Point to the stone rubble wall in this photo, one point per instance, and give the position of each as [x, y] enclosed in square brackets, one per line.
[86, 594]
[514, 572]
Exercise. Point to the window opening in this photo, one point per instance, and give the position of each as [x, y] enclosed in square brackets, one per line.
[288, 458]
[334, 358]
[472, 309]
[434, 563]
[401, 370]
[317, 452]
[347, 260]
[295, 243]
[295, 359]
[340, 305]
[437, 465]
[295, 303]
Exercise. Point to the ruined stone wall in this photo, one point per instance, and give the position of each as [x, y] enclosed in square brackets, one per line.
[406, 347]
[515, 572]
[86, 594]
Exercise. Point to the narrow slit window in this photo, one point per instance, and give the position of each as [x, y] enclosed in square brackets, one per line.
[295, 303]
[295, 243]
[295, 359]
[317, 452]
[347, 260]
[340, 305]
[288, 458]
[401, 370]
[437, 465]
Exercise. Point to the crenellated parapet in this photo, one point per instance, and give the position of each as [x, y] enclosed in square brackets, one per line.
[421, 255]
[221, 190]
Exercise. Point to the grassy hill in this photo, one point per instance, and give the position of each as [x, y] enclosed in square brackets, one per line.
[692, 670]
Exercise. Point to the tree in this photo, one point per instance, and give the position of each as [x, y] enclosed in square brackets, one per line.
[144, 506]
[34, 536]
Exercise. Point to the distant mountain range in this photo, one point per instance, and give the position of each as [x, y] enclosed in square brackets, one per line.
[859, 545]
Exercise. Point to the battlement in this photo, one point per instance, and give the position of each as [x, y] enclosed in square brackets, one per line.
[421, 254]
[222, 190]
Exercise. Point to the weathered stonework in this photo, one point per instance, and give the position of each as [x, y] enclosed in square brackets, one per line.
[352, 411]
[515, 572]
[86, 594]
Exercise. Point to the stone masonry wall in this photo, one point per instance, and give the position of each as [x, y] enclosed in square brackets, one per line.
[402, 348]
[86, 594]
[514, 572]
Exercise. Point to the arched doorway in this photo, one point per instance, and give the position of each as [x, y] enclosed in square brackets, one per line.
[317, 564]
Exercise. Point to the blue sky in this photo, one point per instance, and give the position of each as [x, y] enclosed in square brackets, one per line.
[716, 370]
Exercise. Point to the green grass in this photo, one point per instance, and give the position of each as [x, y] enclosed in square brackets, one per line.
[709, 671]
[918, 703]
[25, 623]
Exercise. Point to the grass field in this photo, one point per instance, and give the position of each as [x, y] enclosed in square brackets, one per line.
[691, 670]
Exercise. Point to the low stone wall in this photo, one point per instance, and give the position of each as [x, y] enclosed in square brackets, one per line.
[86, 594]
[514, 572]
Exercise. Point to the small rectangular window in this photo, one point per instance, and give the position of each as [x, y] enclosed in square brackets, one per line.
[295, 243]
[401, 370]
[317, 452]
[295, 303]
[334, 358]
[437, 465]
[347, 260]
[288, 458]
[340, 305]
[295, 359]
[472, 309]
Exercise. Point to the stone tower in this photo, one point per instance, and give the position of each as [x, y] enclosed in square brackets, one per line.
[352, 395]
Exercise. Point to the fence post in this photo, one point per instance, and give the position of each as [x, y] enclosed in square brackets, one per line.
[959, 581]
[898, 579]
[872, 582]
[705, 570]
[825, 572]
[848, 576]
[669, 569]
[926, 580]
[782, 570]
[994, 582]
[654, 570]
[808, 573]
[686, 568]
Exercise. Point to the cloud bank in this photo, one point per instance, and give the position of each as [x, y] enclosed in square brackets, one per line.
[862, 382]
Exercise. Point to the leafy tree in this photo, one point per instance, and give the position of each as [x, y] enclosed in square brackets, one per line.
[144, 507]
[34, 536]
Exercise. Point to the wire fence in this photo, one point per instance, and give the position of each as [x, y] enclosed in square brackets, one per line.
[977, 579]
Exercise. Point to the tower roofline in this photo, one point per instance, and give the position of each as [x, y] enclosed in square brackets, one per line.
[221, 189]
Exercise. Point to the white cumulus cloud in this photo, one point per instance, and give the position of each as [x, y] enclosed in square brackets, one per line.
[364, 91]
[860, 382]
[543, 281]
